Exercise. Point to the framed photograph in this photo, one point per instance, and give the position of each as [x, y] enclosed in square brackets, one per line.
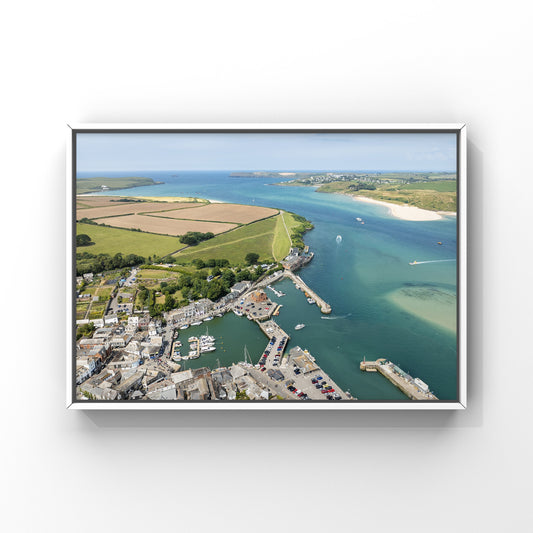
[266, 266]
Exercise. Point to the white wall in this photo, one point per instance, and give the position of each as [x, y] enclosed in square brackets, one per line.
[229, 61]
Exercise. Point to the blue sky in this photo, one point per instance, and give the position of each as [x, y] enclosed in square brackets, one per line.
[266, 151]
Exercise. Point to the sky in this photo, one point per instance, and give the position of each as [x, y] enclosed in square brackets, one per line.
[266, 151]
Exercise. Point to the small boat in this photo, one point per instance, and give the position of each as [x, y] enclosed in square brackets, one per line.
[413, 263]
[220, 315]
[185, 327]
[193, 339]
[299, 326]
[439, 243]
[310, 300]
[359, 219]
[196, 323]
[338, 238]
[208, 349]
[208, 319]
[238, 313]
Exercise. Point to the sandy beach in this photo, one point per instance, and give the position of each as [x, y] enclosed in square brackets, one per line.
[405, 212]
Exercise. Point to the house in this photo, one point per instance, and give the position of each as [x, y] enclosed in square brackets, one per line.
[111, 319]
[240, 287]
[162, 390]
[103, 333]
[130, 384]
[133, 348]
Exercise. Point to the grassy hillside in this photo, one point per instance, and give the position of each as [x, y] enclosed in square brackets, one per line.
[86, 185]
[234, 245]
[434, 196]
[115, 240]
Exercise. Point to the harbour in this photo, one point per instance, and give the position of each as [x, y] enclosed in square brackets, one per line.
[413, 388]
[311, 295]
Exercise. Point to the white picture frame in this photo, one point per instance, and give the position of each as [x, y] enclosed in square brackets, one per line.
[461, 401]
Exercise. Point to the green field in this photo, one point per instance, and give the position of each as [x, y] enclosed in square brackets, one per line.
[234, 245]
[157, 274]
[81, 309]
[440, 186]
[97, 310]
[86, 185]
[281, 241]
[114, 240]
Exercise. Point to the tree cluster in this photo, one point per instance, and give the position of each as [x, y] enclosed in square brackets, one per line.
[194, 237]
[83, 240]
[87, 262]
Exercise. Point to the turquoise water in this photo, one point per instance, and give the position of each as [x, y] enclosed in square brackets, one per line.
[355, 276]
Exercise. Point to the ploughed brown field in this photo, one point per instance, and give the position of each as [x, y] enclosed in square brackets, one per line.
[242, 214]
[129, 208]
[165, 226]
[84, 202]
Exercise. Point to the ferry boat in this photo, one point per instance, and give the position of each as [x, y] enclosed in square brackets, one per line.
[299, 326]
[310, 300]
[185, 326]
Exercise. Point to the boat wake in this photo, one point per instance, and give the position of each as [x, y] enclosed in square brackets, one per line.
[435, 261]
[335, 317]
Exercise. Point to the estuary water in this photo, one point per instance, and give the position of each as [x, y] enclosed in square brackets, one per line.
[381, 305]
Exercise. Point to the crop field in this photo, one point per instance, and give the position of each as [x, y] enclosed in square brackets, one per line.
[113, 240]
[98, 201]
[233, 246]
[165, 226]
[241, 214]
[130, 208]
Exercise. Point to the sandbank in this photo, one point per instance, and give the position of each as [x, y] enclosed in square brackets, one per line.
[431, 304]
[404, 212]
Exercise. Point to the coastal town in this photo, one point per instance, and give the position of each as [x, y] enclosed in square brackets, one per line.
[130, 355]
